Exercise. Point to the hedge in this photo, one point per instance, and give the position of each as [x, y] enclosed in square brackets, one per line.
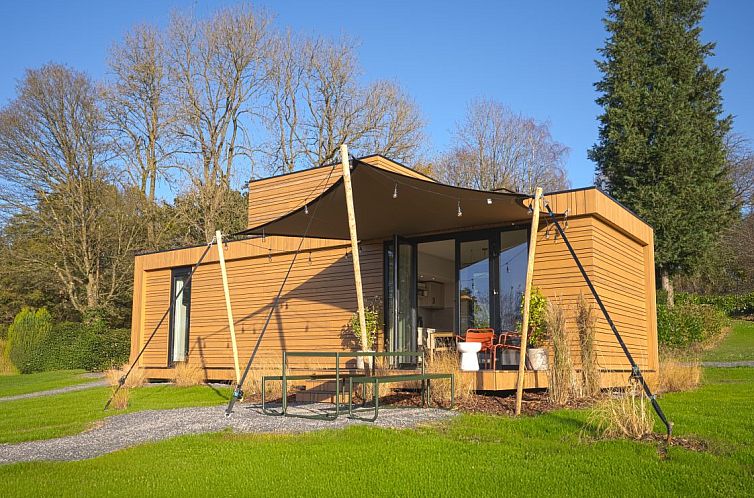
[688, 323]
[39, 345]
[730, 304]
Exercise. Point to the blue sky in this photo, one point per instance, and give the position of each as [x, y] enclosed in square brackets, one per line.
[536, 57]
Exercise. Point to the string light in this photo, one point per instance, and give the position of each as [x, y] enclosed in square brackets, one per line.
[460, 213]
[310, 257]
[306, 209]
[269, 256]
[395, 191]
[489, 200]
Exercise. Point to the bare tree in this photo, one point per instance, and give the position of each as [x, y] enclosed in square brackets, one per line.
[740, 163]
[316, 104]
[53, 155]
[141, 114]
[217, 69]
[495, 148]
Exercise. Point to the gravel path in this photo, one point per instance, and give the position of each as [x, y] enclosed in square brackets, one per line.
[59, 390]
[121, 431]
[727, 364]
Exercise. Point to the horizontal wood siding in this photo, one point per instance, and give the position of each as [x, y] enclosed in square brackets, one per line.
[615, 249]
[317, 303]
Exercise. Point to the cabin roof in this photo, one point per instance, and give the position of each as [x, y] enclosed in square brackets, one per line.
[389, 199]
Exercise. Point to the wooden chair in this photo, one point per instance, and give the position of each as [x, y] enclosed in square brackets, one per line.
[485, 336]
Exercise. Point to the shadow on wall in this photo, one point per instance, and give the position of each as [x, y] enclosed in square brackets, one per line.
[327, 295]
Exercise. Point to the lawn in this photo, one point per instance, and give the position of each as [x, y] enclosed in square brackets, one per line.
[738, 345]
[70, 413]
[10, 385]
[473, 455]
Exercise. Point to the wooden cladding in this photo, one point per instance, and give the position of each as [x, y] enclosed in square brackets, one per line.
[620, 269]
[318, 301]
[313, 313]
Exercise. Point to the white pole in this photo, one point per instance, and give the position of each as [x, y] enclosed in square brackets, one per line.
[345, 162]
[527, 299]
[231, 325]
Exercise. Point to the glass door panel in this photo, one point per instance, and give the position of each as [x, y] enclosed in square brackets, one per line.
[512, 270]
[474, 284]
[405, 326]
[400, 294]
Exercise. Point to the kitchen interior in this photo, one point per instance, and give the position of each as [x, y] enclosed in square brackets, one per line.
[436, 294]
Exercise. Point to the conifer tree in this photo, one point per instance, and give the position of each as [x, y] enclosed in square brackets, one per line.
[661, 145]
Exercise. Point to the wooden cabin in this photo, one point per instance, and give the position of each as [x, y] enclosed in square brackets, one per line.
[434, 258]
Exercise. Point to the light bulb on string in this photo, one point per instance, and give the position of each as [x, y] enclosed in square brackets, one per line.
[306, 209]
[460, 212]
[269, 256]
[395, 191]
[310, 257]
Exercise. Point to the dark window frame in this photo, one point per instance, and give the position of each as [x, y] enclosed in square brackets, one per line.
[183, 271]
[491, 234]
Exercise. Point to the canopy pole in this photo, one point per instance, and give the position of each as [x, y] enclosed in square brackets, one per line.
[346, 163]
[527, 299]
[228, 308]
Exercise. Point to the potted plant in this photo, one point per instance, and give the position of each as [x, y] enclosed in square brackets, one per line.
[373, 320]
[536, 355]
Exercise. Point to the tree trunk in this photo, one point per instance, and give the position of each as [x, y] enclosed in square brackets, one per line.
[667, 285]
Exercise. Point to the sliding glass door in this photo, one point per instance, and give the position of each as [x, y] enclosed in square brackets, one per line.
[401, 296]
[474, 284]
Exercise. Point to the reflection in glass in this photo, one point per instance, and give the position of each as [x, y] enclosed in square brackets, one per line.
[474, 284]
[512, 266]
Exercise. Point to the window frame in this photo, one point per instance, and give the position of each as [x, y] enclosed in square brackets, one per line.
[183, 271]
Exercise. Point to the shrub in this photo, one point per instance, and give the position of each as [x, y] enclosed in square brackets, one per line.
[676, 375]
[188, 374]
[624, 414]
[373, 320]
[136, 378]
[562, 380]
[89, 346]
[6, 366]
[29, 330]
[730, 304]
[120, 398]
[37, 344]
[585, 321]
[252, 386]
[447, 362]
[687, 324]
[537, 315]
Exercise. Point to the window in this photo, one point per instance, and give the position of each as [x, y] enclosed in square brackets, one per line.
[180, 291]
[474, 284]
[512, 260]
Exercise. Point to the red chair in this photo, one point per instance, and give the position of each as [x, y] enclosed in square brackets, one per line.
[486, 337]
[504, 341]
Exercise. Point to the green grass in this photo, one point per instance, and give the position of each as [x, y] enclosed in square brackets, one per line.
[473, 455]
[11, 385]
[70, 413]
[737, 346]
